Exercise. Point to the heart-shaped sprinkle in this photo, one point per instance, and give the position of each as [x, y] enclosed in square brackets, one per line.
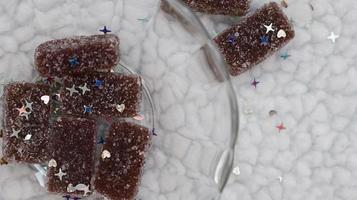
[120, 107]
[105, 154]
[138, 117]
[28, 137]
[281, 33]
[52, 163]
[45, 99]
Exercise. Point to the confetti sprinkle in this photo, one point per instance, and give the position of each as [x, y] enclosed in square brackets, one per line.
[98, 83]
[1, 133]
[15, 133]
[285, 55]
[72, 90]
[146, 19]
[79, 187]
[264, 40]
[52, 163]
[255, 83]
[281, 34]
[236, 171]
[280, 127]
[232, 39]
[28, 137]
[67, 197]
[45, 99]
[154, 132]
[269, 28]
[88, 109]
[3, 161]
[105, 154]
[272, 113]
[120, 107]
[84, 88]
[60, 174]
[76, 198]
[101, 140]
[73, 61]
[105, 30]
[138, 117]
[333, 37]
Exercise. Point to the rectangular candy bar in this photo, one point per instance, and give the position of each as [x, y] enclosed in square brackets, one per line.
[101, 94]
[122, 158]
[219, 7]
[26, 122]
[77, 54]
[255, 38]
[71, 162]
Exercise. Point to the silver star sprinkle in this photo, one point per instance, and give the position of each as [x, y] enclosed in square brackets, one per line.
[28, 105]
[333, 37]
[72, 90]
[236, 171]
[269, 28]
[120, 108]
[52, 163]
[105, 154]
[84, 88]
[60, 174]
[25, 114]
[28, 137]
[15, 133]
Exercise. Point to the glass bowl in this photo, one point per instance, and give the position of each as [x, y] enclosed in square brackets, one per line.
[189, 102]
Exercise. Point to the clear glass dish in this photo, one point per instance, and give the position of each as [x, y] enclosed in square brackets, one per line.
[190, 101]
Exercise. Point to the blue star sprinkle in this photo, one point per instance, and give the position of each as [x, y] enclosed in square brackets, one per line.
[67, 197]
[232, 39]
[73, 61]
[285, 55]
[105, 30]
[264, 40]
[88, 109]
[255, 83]
[98, 83]
[101, 140]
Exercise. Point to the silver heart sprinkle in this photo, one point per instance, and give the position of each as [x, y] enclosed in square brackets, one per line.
[120, 107]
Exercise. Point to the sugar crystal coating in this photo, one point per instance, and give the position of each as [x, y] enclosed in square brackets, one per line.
[101, 94]
[26, 122]
[255, 38]
[77, 54]
[123, 155]
[223, 7]
[72, 148]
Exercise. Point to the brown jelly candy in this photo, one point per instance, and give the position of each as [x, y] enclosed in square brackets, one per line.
[255, 38]
[219, 7]
[26, 122]
[77, 54]
[122, 159]
[71, 163]
[101, 94]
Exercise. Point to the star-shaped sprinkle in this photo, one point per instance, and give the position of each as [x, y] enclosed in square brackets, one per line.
[50, 79]
[333, 37]
[98, 83]
[255, 83]
[60, 174]
[101, 140]
[280, 127]
[15, 133]
[269, 28]
[3, 161]
[26, 115]
[21, 110]
[285, 55]
[28, 105]
[232, 39]
[84, 88]
[105, 30]
[236, 171]
[264, 40]
[72, 90]
[28, 137]
[105, 154]
[67, 197]
[73, 61]
[88, 109]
